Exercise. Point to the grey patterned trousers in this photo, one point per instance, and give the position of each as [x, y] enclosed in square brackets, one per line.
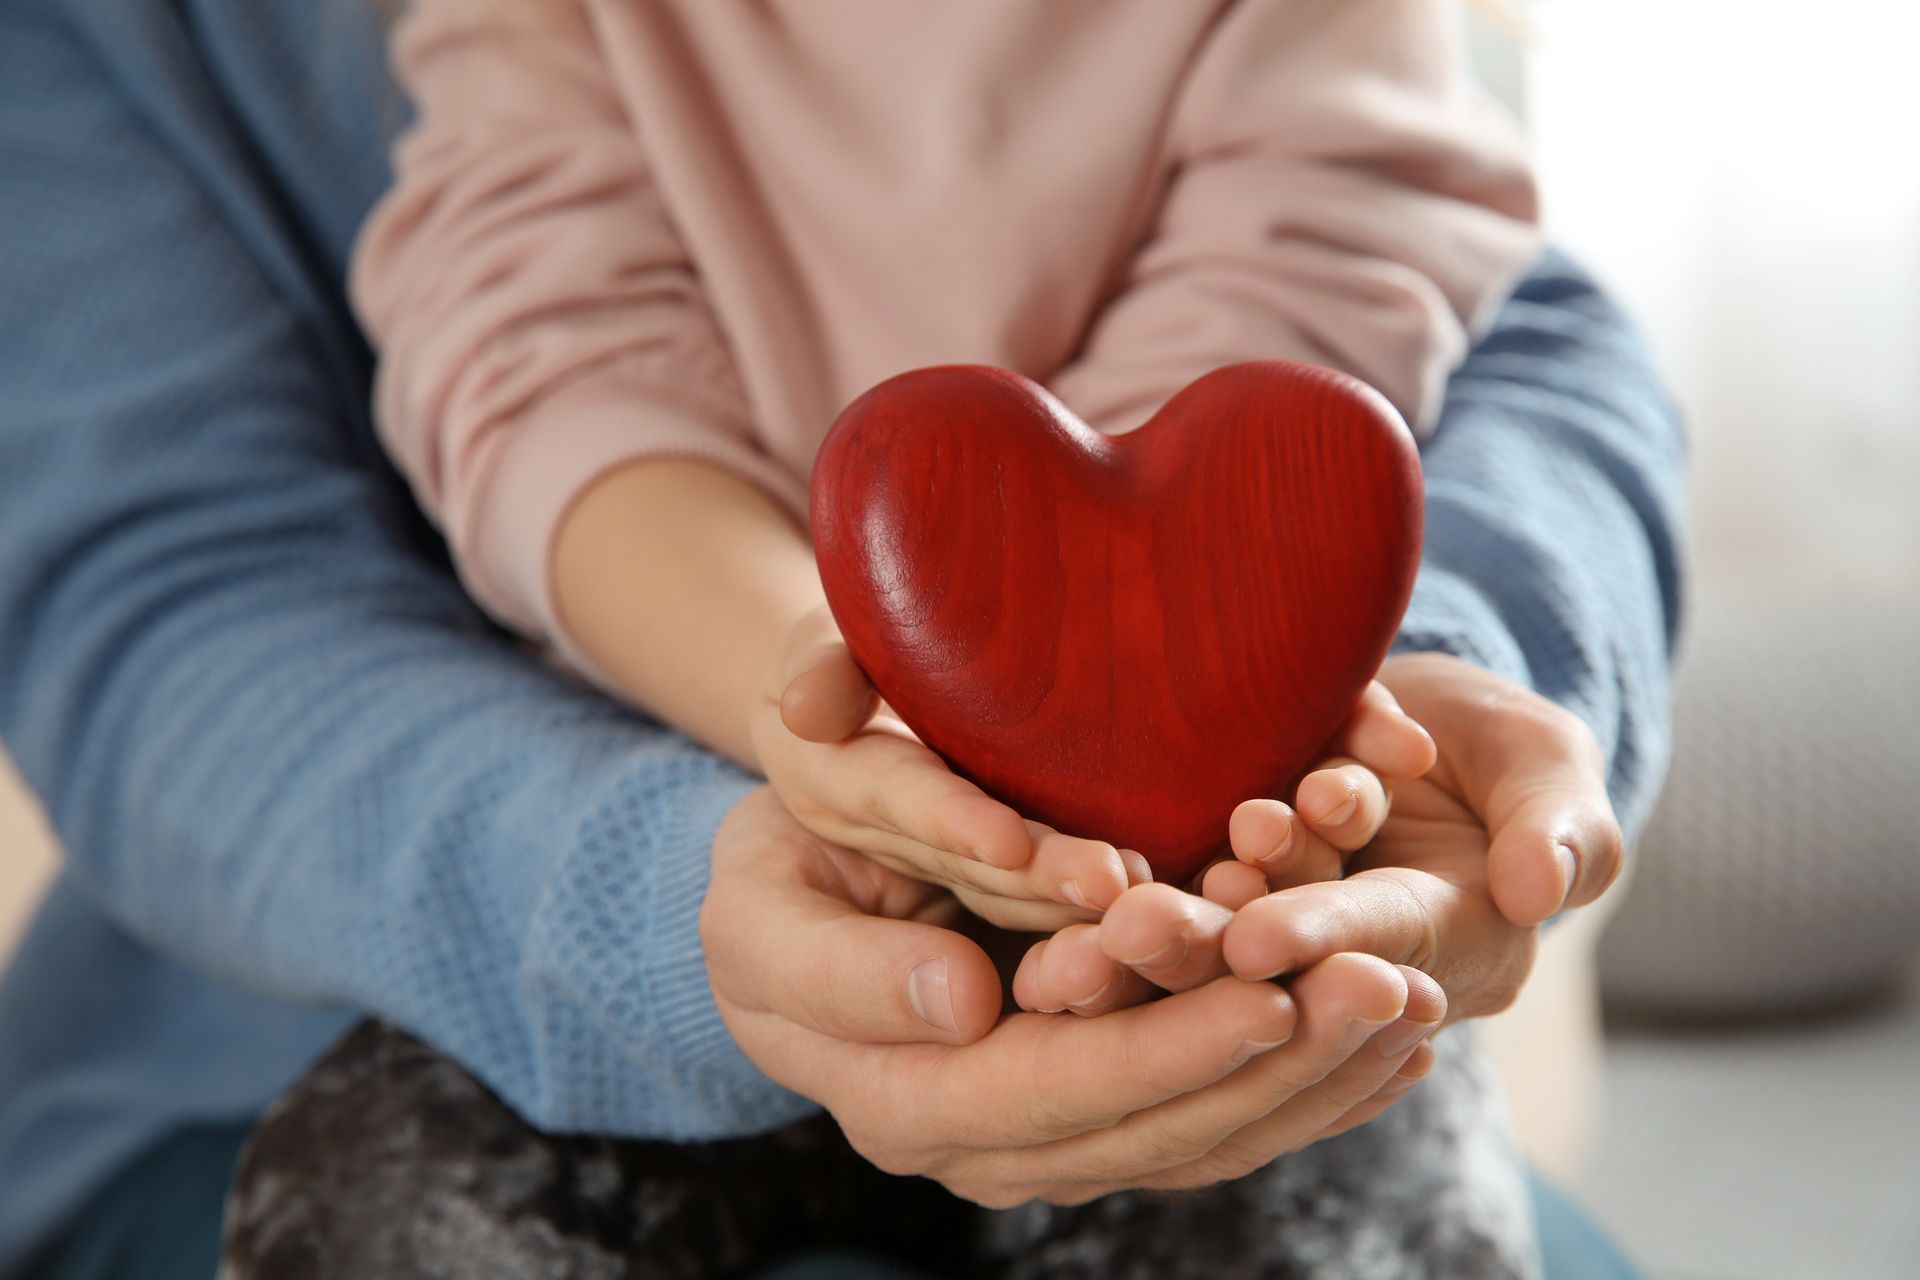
[388, 1160]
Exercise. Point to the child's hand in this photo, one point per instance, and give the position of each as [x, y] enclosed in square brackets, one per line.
[1338, 808]
[853, 774]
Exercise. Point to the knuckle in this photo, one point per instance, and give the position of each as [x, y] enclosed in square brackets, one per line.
[1048, 1113]
[1140, 1060]
[1423, 937]
[991, 1195]
[1539, 718]
[873, 806]
[998, 1197]
[887, 1157]
[891, 1156]
[1193, 1177]
[1169, 1148]
[1237, 1157]
[900, 1164]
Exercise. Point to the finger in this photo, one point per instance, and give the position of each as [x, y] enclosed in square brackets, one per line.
[1018, 915]
[1072, 973]
[823, 694]
[1450, 931]
[1082, 873]
[1535, 774]
[1079, 1074]
[830, 700]
[1269, 835]
[1398, 1086]
[1343, 802]
[1339, 1005]
[1384, 737]
[901, 787]
[1026, 992]
[1557, 849]
[1232, 884]
[1372, 1062]
[783, 946]
[1376, 912]
[1167, 936]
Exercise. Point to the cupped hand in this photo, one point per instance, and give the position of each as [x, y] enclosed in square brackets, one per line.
[855, 775]
[840, 979]
[1511, 825]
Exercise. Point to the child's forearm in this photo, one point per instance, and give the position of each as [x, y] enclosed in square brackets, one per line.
[679, 581]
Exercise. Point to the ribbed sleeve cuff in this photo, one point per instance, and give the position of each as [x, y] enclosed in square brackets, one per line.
[1449, 614]
[628, 1040]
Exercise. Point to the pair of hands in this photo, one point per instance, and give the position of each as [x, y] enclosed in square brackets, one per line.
[847, 980]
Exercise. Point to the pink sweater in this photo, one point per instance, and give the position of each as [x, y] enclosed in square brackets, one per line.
[630, 228]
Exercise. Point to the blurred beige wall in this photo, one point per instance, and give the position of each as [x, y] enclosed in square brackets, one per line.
[26, 856]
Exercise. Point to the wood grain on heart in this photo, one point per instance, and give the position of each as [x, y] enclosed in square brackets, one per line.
[1121, 636]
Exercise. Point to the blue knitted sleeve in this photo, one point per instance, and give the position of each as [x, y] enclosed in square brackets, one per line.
[275, 739]
[1555, 513]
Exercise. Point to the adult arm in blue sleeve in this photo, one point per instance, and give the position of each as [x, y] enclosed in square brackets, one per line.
[1555, 517]
[276, 741]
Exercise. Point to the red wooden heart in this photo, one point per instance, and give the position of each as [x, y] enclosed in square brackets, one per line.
[1121, 636]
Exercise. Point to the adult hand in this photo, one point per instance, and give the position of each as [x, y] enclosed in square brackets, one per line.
[838, 977]
[1511, 824]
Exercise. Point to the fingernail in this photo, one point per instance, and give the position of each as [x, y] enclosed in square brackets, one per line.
[1099, 998]
[1398, 1040]
[1252, 1048]
[1362, 1029]
[1139, 870]
[1070, 890]
[928, 994]
[1165, 958]
[1286, 843]
[1344, 814]
[1568, 870]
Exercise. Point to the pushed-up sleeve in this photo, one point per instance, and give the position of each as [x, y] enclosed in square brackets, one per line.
[1341, 193]
[537, 319]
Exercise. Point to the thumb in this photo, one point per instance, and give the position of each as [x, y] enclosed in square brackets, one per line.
[788, 946]
[1540, 785]
[823, 694]
[1558, 848]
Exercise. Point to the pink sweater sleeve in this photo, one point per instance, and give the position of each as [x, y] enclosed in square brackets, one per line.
[1342, 194]
[536, 317]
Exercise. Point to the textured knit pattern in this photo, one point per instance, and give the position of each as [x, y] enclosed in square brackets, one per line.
[296, 773]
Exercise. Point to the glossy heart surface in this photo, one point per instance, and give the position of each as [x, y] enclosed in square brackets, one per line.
[1123, 637]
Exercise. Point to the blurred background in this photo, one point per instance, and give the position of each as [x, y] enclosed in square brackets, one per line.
[1744, 174]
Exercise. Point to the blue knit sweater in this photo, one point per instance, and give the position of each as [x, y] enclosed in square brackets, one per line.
[298, 777]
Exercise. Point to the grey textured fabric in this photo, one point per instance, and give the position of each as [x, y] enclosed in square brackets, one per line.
[1781, 869]
[388, 1160]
